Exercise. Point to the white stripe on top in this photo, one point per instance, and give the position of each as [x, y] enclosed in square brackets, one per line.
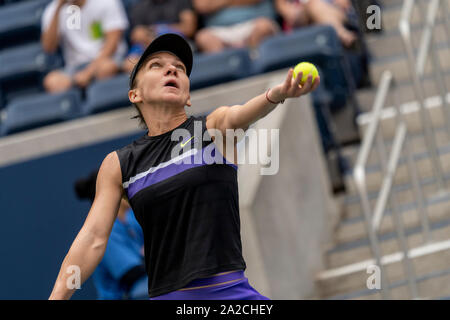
[159, 166]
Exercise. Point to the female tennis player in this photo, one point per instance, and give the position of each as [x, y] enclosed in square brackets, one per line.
[188, 210]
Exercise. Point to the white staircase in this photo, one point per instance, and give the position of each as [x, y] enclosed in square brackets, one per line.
[351, 254]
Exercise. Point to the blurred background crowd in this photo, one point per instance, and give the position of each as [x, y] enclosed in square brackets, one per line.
[52, 47]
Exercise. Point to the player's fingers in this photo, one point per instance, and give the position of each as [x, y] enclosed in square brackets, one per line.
[287, 82]
[307, 86]
[297, 80]
[316, 83]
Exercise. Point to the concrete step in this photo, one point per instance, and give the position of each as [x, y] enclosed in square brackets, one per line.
[406, 202]
[391, 12]
[404, 195]
[358, 250]
[417, 143]
[437, 115]
[374, 178]
[389, 44]
[337, 281]
[399, 65]
[387, 4]
[354, 231]
[431, 286]
[391, 15]
[404, 92]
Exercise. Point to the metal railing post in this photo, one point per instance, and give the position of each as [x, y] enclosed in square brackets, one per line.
[427, 46]
[382, 200]
[414, 175]
[446, 15]
[374, 245]
[359, 174]
[405, 31]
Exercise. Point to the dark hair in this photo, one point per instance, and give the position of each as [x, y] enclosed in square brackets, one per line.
[139, 115]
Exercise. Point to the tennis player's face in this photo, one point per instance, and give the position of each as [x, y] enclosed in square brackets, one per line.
[163, 79]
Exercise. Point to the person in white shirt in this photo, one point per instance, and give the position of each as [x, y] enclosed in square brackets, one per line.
[90, 33]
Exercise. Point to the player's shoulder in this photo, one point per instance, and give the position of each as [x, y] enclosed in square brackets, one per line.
[110, 168]
[134, 146]
[214, 116]
[111, 159]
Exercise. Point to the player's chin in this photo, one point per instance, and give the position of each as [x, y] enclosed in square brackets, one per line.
[173, 97]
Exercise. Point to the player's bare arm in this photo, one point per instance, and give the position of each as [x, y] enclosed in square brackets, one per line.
[89, 246]
[242, 116]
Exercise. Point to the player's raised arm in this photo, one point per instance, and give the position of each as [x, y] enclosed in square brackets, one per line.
[89, 246]
[242, 116]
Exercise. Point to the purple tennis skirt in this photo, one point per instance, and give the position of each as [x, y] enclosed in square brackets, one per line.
[227, 286]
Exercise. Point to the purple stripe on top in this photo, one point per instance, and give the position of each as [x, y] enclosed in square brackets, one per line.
[171, 170]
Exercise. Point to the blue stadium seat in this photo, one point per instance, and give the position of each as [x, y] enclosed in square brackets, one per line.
[2, 2]
[19, 62]
[211, 69]
[21, 22]
[317, 44]
[24, 67]
[39, 110]
[107, 94]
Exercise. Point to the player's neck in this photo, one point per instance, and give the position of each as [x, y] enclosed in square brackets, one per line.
[161, 122]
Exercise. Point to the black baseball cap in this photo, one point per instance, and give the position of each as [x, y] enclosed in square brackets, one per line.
[168, 42]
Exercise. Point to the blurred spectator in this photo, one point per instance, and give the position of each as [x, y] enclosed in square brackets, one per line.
[121, 273]
[91, 41]
[151, 18]
[234, 23]
[299, 13]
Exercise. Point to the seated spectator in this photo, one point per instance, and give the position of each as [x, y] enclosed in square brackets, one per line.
[121, 273]
[93, 49]
[234, 23]
[151, 18]
[299, 13]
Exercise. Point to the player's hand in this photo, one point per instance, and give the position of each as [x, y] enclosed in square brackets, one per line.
[291, 88]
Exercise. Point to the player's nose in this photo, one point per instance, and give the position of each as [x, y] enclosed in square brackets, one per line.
[171, 69]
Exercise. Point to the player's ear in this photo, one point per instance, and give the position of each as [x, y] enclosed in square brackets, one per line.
[188, 102]
[134, 96]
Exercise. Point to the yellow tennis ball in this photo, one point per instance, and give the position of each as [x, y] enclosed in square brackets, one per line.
[307, 69]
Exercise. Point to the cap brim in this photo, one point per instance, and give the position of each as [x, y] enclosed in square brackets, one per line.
[169, 42]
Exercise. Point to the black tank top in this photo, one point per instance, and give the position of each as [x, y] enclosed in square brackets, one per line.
[186, 203]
